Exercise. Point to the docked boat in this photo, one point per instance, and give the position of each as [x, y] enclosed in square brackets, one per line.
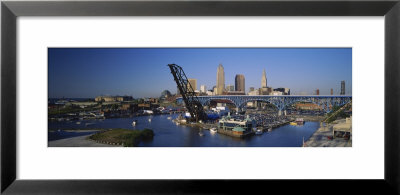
[270, 129]
[259, 132]
[201, 133]
[293, 123]
[213, 130]
[299, 121]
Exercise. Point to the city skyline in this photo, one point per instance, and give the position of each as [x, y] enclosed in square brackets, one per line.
[90, 72]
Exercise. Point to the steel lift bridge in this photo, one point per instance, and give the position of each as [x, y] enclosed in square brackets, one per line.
[192, 103]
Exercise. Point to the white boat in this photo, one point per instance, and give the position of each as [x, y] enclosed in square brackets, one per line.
[134, 123]
[201, 133]
[169, 118]
[259, 132]
[149, 119]
[270, 129]
[78, 123]
[213, 130]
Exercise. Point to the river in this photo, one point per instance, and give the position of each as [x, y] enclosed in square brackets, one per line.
[168, 134]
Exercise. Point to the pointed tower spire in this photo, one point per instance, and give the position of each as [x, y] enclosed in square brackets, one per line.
[264, 80]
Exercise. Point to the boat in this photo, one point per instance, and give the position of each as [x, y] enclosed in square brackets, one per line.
[270, 129]
[78, 123]
[149, 119]
[259, 132]
[89, 124]
[293, 123]
[134, 122]
[213, 130]
[201, 133]
[169, 118]
[299, 121]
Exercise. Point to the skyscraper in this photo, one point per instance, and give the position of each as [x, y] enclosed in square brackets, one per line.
[220, 79]
[230, 88]
[342, 88]
[203, 89]
[193, 82]
[331, 91]
[239, 83]
[264, 80]
[317, 92]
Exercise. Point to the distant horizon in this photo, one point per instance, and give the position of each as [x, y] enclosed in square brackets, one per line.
[143, 72]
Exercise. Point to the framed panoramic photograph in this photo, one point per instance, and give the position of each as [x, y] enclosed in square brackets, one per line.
[85, 108]
[199, 97]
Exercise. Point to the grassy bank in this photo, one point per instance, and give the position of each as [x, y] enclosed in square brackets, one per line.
[125, 137]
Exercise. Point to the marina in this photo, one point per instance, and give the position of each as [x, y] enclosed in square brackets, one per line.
[167, 133]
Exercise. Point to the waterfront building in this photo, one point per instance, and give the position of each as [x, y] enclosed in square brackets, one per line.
[264, 80]
[251, 89]
[236, 126]
[342, 88]
[113, 98]
[220, 80]
[193, 83]
[317, 92]
[210, 92]
[239, 83]
[307, 106]
[203, 89]
[230, 88]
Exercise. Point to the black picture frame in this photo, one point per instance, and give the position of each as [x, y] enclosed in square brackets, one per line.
[11, 10]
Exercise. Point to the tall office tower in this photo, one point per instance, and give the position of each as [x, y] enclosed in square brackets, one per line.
[331, 91]
[264, 80]
[203, 89]
[342, 88]
[317, 92]
[193, 83]
[220, 80]
[239, 83]
[230, 88]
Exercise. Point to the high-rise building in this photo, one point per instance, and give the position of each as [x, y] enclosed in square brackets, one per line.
[264, 80]
[230, 88]
[317, 92]
[331, 91]
[342, 88]
[239, 83]
[220, 80]
[203, 89]
[193, 83]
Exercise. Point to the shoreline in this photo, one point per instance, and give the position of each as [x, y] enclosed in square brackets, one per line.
[320, 138]
[78, 141]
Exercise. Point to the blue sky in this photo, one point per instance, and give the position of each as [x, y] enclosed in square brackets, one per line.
[143, 72]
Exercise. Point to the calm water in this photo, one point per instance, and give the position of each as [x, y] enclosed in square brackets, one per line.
[168, 134]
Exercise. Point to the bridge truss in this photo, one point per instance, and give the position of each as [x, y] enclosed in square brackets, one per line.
[192, 103]
[282, 101]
